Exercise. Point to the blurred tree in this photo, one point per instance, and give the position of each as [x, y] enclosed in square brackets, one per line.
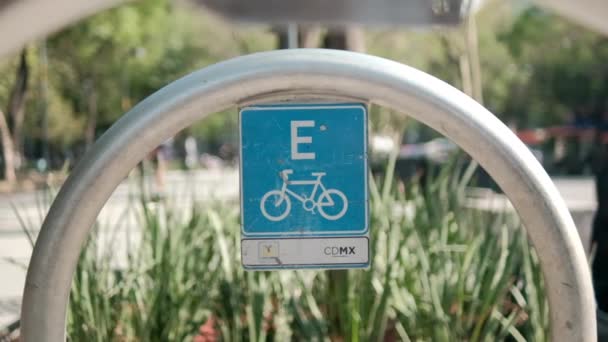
[16, 106]
[105, 65]
[537, 69]
[7, 150]
[564, 66]
[11, 123]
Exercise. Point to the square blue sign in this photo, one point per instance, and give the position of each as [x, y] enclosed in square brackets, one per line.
[304, 170]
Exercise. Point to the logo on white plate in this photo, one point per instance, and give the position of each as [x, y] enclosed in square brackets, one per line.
[340, 251]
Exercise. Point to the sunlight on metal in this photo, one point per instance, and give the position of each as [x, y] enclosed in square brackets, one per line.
[22, 21]
[302, 71]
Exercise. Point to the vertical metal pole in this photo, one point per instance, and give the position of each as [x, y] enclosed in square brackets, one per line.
[292, 36]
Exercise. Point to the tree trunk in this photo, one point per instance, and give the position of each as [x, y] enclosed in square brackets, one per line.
[465, 75]
[351, 38]
[92, 115]
[472, 52]
[44, 100]
[282, 37]
[310, 36]
[355, 39]
[16, 107]
[7, 150]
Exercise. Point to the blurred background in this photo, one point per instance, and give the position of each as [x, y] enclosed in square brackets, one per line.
[542, 75]
[531, 68]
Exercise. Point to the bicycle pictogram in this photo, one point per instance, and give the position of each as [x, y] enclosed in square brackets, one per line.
[326, 200]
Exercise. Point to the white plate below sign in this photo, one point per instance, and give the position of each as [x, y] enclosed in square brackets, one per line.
[305, 252]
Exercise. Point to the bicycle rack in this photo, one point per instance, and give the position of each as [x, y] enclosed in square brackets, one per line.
[292, 74]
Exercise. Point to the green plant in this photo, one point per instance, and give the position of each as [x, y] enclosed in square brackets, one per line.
[440, 272]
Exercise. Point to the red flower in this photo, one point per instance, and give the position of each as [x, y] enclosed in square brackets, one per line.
[207, 332]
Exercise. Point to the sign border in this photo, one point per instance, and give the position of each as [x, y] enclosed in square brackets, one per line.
[328, 105]
[336, 266]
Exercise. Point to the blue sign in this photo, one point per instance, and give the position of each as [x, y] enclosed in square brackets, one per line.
[304, 170]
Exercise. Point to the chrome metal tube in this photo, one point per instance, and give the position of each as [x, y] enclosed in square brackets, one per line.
[290, 74]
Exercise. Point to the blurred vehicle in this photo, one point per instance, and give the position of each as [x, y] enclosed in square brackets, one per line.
[413, 158]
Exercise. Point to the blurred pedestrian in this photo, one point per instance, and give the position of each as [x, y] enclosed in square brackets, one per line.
[191, 148]
[160, 157]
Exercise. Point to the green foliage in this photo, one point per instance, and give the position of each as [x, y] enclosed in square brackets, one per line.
[102, 66]
[536, 68]
[564, 68]
[129, 52]
[121, 56]
[440, 272]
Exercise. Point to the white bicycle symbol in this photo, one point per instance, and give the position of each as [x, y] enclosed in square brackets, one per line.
[328, 198]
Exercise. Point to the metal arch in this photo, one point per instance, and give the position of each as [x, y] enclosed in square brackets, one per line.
[384, 82]
[22, 21]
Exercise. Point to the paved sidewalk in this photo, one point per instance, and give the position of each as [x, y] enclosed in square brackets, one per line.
[15, 248]
[182, 188]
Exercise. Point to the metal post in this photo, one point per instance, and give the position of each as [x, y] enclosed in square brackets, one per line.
[292, 74]
[292, 36]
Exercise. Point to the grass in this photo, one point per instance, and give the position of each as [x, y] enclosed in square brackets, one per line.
[439, 272]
